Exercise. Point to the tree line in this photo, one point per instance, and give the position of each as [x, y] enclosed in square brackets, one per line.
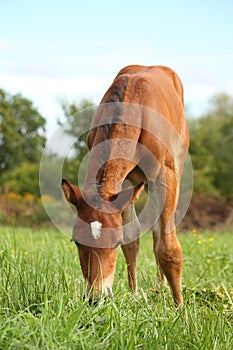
[23, 137]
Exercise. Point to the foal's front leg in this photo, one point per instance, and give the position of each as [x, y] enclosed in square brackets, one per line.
[130, 247]
[156, 236]
[130, 252]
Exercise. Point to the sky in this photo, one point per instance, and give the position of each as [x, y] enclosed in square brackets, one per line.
[70, 50]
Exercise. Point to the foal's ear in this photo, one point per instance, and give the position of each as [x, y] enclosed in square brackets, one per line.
[124, 198]
[72, 193]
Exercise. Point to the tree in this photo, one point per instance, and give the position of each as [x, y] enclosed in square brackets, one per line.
[23, 179]
[77, 124]
[223, 109]
[211, 147]
[21, 133]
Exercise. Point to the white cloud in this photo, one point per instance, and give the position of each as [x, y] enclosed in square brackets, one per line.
[47, 92]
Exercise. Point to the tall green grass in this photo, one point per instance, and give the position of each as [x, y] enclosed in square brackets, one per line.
[42, 306]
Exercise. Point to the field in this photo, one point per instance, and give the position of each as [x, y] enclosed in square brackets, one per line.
[42, 306]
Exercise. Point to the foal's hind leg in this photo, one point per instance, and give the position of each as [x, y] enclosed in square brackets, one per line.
[168, 249]
[156, 234]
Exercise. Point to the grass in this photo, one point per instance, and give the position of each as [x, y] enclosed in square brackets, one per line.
[41, 289]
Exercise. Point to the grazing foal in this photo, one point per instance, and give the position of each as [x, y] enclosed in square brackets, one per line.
[138, 133]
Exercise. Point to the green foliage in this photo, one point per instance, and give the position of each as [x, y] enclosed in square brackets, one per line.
[21, 210]
[42, 306]
[20, 131]
[49, 170]
[28, 210]
[211, 148]
[21, 138]
[22, 179]
[77, 123]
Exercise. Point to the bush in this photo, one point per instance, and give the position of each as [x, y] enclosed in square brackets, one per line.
[21, 210]
[28, 210]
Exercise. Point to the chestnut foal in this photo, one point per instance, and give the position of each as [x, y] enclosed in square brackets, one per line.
[133, 136]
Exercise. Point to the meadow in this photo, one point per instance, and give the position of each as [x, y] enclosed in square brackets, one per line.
[42, 305]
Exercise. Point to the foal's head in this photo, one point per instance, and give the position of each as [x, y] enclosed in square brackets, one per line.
[98, 232]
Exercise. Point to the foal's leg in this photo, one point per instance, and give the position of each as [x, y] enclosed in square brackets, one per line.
[130, 252]
[168, 249]
[131, 244]
[156, 234]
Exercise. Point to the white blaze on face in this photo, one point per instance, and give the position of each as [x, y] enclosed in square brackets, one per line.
[96, 229]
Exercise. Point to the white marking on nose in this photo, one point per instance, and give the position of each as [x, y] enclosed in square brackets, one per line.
[96, 229]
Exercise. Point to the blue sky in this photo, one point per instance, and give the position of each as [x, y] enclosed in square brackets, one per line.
[51, 50]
